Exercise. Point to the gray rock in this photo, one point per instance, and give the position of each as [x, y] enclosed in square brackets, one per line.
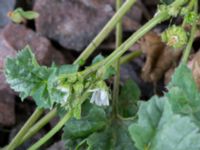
[5, 51]
[7, 102]
[18, 36]
[5, 7]
[57, 146]
[72, 23]
[7, 107]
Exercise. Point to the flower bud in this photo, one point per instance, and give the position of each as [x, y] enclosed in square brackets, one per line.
[175, 37]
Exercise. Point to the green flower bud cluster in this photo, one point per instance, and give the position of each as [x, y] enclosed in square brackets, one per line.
[191, 17]
[175, 37]
[74, 90]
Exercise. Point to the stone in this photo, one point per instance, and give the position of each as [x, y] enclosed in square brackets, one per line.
[18, 36]
[5, 50]
[60, 145]
[72, 23]
[14, 37]
[7, 107]
[7, 99]
[5, 7]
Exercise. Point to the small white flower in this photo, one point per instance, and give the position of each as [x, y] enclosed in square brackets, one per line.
[65, 91]
[99, 97]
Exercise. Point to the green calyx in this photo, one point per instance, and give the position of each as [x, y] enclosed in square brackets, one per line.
[175, 37]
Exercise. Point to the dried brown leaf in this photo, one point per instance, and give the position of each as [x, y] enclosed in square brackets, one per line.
[194, 64]
[159, 57]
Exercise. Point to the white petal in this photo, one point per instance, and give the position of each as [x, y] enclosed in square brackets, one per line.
[99, 97]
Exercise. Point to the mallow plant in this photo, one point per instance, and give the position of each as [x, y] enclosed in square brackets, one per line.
[95, 117]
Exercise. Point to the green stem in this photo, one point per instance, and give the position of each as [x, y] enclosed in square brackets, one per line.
[100, 37]
[189, 7]
[125, 59]
[34, 117]
[81, 143]
[105, 31]
[52, 132]
[119, 34]
[41, 123]
[162, 16]
[61, 123]
[191, 39]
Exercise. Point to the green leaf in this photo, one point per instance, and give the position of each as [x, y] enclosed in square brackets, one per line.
[19, 15]
[114, 137]
[24, 65]
[97, 59]
[183, 93]
[68, 69]
[183, 79]
[29, 14]
[100, 140]
[92, 122]
[105, 72]
[109, 72]
[129, 96]
[27, 77]
[159, 128]
[179, 101]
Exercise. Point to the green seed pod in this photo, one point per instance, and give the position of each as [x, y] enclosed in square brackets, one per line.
[175, 37]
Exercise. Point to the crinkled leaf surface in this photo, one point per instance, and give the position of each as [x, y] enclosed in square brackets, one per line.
[183, 79]
[128, 98]
[114, 137]
[27, 77]
[183, 93]
[158, 128]
[92, 122]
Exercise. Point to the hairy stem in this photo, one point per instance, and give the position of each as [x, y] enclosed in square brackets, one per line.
[105, 31]
[191, 39]
[119, 34]
[125, 59]
[97, 41]
[52, 132]
[61, 123]
[34, 117]
[162, 16]
[41, 123]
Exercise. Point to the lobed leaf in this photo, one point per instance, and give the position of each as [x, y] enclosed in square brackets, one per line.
[27, 77]
[159, 128]
[183, 93]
